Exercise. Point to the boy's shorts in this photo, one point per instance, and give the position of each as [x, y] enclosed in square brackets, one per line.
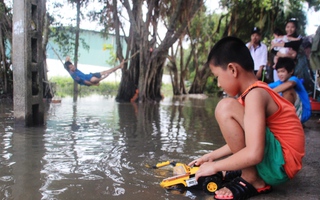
[98, 75]
[271, 168]
[298, 106]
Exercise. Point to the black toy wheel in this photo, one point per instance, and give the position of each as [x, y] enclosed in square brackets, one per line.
[211, 184]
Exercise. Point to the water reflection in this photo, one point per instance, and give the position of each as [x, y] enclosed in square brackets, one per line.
[96, 148]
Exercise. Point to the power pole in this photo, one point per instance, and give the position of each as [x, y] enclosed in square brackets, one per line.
[27, 61]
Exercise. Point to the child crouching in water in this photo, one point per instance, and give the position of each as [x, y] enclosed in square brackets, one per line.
[264, 137]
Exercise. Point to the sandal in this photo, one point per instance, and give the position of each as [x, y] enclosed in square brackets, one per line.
[241, 189]
[230, 175]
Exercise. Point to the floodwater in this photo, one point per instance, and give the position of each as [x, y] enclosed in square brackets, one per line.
[97, 148]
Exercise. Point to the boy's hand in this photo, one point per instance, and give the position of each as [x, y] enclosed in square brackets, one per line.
[192, 163]
[199, 161]
[206, 169]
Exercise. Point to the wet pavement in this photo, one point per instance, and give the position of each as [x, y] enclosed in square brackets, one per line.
[306, 185]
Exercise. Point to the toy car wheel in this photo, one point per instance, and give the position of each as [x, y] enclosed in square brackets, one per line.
[211, 184]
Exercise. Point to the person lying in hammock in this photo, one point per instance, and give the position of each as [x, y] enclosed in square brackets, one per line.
[91, 79]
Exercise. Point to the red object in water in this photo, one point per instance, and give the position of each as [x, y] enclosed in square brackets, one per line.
[135, 96]
[315, 105]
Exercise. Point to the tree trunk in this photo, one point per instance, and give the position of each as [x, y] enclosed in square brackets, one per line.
[177, 79]
[173, 70]
[3, 75]
[47, 90]
[201, 76]
[5, 35]
[130, 73]
[182, 68]
[200, 81]
[76, 48]
[145, 71]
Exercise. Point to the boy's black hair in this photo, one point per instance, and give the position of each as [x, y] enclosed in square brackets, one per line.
[66, 65]
[286, 63]
[228, 50]
[277, 31]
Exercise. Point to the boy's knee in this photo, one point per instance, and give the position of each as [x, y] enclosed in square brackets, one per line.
[290, 95]
[225, 106]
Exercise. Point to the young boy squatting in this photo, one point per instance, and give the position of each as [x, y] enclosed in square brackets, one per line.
[264, 137]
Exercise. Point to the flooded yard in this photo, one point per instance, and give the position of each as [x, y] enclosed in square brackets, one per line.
[97, 148]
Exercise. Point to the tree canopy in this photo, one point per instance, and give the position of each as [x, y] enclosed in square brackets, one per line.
[171, 36]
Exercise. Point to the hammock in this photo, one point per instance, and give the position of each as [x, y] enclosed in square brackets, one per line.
[80, 71]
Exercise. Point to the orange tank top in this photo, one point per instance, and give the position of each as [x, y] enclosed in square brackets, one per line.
[286, 127]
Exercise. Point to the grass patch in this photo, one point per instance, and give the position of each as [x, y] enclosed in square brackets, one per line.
[63, 86]
[166, 90]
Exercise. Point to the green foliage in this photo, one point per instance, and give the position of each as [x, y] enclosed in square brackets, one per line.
[64, 87]
[166, 89]
[212, 86]
[238, 19]
[192, 74]
[266, 14]
[205, 29]
[64, 36]
[267, 4]
[203, 33]
[113, 57]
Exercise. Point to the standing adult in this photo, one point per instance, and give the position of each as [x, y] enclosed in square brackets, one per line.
[291, 31]
[315, 51]
[294, 45]
[258, 51]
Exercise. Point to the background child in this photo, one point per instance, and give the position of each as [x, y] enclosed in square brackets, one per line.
[264, 137]
[291, 88]
[88, 79]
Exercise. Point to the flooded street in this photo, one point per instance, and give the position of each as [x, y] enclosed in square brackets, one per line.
[97, 148]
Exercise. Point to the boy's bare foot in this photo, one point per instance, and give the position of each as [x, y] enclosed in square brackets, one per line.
[105, 75]
[223, 192]
[242, 189]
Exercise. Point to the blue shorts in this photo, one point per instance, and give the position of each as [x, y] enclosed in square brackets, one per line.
[271, 168]
[98, 75]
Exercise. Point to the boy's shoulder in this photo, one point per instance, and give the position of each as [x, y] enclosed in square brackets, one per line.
[259, 85]
[294, 79]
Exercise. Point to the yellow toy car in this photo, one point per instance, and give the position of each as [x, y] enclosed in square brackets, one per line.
[184, 175]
